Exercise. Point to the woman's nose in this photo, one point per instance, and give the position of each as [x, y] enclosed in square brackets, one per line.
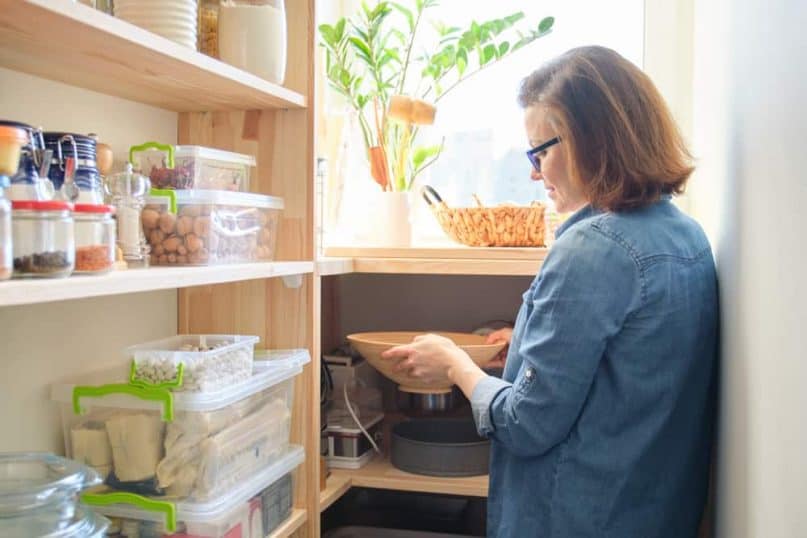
[535, 175]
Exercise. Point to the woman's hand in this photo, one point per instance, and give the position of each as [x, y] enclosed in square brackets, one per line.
[502, 335]
[429, 358]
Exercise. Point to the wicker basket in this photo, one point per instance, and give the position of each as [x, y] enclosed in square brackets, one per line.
[500, 226]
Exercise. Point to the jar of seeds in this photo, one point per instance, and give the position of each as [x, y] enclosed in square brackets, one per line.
[43, 240]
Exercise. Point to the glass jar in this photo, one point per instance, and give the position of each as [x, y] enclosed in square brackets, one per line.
[252, 36]
[209, 27]
[127, 191]
[95, 238]
[6, 252]
[43, 240]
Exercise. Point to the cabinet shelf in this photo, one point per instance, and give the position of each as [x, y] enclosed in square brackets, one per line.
[379, 473]
[433, 261]
[18, 292]
[293, 522]
[69, 42]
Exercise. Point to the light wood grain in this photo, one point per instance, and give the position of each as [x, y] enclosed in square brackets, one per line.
[17, 292]
[297, 518]
[73, 43]
[338, 484]
[450, 253]
[440, 266]
[334, 266]
[379, 473]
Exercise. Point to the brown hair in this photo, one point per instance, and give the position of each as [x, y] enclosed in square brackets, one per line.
[623, 144]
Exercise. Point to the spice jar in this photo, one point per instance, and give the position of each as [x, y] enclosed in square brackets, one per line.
[252, 36]
[43, 240]
[95, 238]
[209, 27]
[127, 192]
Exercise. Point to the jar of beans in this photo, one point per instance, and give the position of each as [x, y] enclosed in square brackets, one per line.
[43, 240]
[95, 238]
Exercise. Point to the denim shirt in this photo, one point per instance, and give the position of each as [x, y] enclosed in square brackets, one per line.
[602, 423]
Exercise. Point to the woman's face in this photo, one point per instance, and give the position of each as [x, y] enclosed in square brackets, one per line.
[567, 195]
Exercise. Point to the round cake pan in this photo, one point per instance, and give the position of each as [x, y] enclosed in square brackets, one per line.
[439, 447]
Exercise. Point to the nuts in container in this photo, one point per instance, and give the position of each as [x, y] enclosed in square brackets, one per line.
[210, 362]
[198, 227]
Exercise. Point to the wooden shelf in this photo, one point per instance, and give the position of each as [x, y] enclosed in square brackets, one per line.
[337, 485]
[380, 473]
[334, 266]
[293, 522]
[17, 292]
[69, 42]
[437, 261]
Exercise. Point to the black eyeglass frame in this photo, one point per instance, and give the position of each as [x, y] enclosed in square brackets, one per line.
[532, 154]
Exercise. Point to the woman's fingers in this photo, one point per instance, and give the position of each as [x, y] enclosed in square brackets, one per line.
[397, 352]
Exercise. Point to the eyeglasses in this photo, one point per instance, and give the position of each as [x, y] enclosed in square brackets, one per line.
[534, 155]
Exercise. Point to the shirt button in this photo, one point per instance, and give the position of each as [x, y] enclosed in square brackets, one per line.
[529, 373]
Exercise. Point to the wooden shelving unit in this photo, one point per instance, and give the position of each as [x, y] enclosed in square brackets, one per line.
[337, 485]
[20, 292]
[435, 261]
[379, 473]
[296, 520]
[75, 44]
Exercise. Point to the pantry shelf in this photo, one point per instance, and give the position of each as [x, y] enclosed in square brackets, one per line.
[336, 486]
[293, 522]
[18, 292]
[437, 261]
[379, 473]
[69, 42]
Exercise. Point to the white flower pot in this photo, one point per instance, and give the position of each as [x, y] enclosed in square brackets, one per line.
[388, 223]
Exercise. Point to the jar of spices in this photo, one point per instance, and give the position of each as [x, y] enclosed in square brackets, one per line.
[43, 240]
[95, 238]
[209, 27]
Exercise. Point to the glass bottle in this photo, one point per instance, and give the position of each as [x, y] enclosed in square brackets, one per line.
[127, 191]
[43, 238]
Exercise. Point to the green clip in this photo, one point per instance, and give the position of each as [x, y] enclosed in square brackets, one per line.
[166, 508]
[166, 193]
[153, 145]
[153, 394]
[165, 385]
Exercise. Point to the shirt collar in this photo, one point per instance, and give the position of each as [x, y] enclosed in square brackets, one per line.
[577, 216]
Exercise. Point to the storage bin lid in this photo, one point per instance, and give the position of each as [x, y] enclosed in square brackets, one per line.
[279, 366]
[202, 152]
[215, 509]
[213, 197]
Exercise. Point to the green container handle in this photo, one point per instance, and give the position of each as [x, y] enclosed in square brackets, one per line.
[153, 145]
[166, 193]
[152, 394]
[166, 508]
[166, 385]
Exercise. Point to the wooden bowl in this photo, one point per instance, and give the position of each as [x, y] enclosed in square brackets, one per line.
[371, 345]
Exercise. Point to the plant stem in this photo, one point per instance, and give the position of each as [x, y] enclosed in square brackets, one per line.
[409, 51]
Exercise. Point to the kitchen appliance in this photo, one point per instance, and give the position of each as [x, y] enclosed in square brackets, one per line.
[348, 446]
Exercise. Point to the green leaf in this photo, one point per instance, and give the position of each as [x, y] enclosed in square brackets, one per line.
[503, 48]
[328, 34]
[488, 53]
[410, 18]
[363, 49]
[422, 153]
[462, 61]
[546, 24]
[514, 18]
[340, 29]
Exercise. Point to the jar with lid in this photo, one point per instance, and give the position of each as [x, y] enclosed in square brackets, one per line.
[127, 191]
[252, 36]
[95, 238]
[43, 240]
[209, 27]
[12, 140]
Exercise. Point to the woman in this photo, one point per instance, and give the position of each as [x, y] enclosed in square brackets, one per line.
[601, 425]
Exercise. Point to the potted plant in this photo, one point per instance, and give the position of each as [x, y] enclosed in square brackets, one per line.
[393, 81]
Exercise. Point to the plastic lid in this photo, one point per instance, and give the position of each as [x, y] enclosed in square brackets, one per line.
[41, 205]
[84, 524]
[248, 199]
[17, 134]
[201, 152]
[32, 479]
[93, 208]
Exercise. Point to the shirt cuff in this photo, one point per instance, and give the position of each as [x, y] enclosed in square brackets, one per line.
[485, 392]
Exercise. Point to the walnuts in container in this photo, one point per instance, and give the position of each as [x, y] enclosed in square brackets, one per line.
[203, 234]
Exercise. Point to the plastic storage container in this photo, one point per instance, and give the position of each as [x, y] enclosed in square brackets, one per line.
[210, 227]
[192, 167]
[209, 362]
[95, 238]
[182, 446]
[44, 244]
[236, 513]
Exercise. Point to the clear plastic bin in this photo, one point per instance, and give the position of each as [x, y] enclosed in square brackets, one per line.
[196, 227]
[192, 167]
[209, 361]
[182, 446]
[236, 513]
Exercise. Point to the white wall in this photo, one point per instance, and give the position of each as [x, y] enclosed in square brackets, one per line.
[749, 117]
[41, 344]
